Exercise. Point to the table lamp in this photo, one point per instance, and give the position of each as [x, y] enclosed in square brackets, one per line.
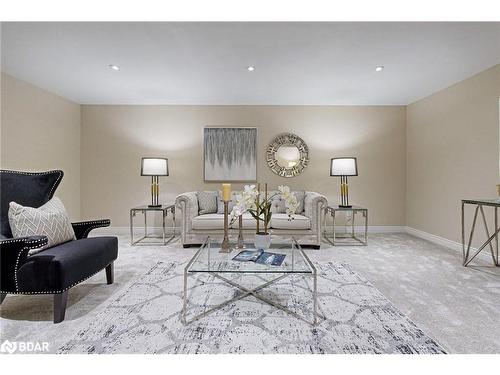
[154, 167]
[343, 167]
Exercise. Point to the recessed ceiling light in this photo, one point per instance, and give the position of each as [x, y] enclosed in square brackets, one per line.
[113, 67]
[379, 68]
[250, 68]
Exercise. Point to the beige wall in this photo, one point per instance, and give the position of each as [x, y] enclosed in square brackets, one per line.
[115, 137]
[41, 131]
[452, 153]
[430, 154]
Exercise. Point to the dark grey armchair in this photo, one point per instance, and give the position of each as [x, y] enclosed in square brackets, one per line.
[59, 268]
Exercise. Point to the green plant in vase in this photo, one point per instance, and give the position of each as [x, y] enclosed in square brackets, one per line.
[261, 210]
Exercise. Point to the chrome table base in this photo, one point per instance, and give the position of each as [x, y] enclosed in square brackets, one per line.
[490, 238]
[190, 269]
[252, 292]
[334, 238]
[144, 210]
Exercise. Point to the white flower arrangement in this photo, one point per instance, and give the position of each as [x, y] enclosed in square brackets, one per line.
[291, 202]
[246, 202]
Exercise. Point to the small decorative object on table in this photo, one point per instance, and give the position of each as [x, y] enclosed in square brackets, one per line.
[154, 167]
[343, 167]
[260, 257]
[226, 198]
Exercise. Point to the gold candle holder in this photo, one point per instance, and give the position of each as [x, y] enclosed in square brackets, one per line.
[225, 247]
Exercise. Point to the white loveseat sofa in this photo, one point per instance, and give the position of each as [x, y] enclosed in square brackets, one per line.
[305, 227]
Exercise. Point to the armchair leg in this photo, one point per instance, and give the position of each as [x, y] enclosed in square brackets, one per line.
[110, 273]
[2, 297]
[60, 300]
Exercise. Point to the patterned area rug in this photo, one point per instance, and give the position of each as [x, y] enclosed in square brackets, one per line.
[145, 318]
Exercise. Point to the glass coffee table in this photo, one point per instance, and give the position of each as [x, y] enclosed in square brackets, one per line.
[210, 261]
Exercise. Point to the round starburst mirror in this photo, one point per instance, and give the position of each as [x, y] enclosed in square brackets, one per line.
[287, 155]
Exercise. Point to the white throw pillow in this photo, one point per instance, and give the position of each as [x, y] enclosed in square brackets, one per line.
[300, 195]
[207, 202]
[50, 220]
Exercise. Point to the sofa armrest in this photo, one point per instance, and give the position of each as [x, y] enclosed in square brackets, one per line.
[188, 206]
[13, 253]
[83, 228]
[314, 204]
[188, 203]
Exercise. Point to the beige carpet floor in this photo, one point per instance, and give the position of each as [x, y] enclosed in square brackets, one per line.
[458, 307]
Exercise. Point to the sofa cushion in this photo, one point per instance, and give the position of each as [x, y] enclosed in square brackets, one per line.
[248, 222]
[300, 195]
[28, 189]
[50, 220]
[63, 266]
[281, 221]
[207, 202]
[208, 221]
[276, 204]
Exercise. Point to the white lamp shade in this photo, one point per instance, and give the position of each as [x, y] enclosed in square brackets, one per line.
[343, 167]
[154, 167]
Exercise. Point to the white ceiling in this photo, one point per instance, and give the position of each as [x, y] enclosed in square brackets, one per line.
[205, 63]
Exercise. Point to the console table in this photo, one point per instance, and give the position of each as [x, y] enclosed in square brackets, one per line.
[164, 210]
[479, 204]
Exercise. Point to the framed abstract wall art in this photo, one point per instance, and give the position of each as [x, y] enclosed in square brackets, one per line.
[230, 154]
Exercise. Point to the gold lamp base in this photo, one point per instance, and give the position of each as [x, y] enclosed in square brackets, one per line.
[155, 192]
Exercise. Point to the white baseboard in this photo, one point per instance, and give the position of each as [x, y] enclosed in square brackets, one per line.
[453, 245]
[435, 239]
[371, 228]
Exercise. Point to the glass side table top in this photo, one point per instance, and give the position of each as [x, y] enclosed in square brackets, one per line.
[209, 259]
[487, 202]
[147, 208]
[352, 208]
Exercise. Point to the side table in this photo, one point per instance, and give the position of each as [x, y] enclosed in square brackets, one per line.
[164, 209]
[333, 239]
